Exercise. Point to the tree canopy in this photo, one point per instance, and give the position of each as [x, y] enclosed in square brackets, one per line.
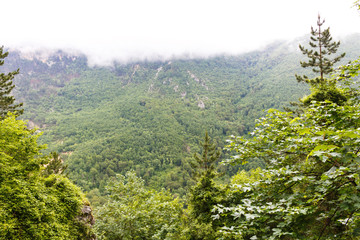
[134, 212]
[34, 205]
[7, 100]
[310, 186]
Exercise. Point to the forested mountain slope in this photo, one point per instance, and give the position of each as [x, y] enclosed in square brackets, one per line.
[149, 116]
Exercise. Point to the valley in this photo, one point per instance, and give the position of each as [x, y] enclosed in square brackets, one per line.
[151, 116]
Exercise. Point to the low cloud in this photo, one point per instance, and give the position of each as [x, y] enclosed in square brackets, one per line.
[126, 31]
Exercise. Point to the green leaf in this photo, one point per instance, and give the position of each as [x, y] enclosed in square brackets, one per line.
[304, 131]
[321, 149]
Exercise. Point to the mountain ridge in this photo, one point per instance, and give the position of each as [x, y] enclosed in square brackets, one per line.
[151, 116]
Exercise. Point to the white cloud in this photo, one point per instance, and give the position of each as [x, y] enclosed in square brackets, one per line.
[123, 29]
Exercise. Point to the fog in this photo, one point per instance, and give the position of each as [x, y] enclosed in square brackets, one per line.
[131, 30]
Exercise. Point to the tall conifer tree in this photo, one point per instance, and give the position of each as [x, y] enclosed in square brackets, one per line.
[206, 162]
[322, 63]
[6, 86]
[322, 47]
[55, 166]
[205, 194]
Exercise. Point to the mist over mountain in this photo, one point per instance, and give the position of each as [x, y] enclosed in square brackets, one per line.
[150, 115]
[110, 57]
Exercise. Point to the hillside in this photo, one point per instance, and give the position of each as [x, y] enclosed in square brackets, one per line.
[150, 116]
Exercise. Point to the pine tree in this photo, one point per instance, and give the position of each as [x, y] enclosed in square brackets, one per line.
[323, 47]
[322, 88]
[205, 162]
[55, 166]
[205, 194]
[6, 86]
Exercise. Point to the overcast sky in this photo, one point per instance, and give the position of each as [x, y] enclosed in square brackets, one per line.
[123, 29]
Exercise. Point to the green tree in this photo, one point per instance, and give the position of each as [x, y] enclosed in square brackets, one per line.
[133, 212]
[322, 88]
[55, 166]
[205, 194]
[323, 47]
[202, 198]
[7, 101]
[34, 206]
[310, 188]
[205, 162]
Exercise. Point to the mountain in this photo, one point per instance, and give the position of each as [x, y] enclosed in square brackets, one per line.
[150, 116]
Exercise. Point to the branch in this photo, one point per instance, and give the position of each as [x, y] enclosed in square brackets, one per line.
[328, 223]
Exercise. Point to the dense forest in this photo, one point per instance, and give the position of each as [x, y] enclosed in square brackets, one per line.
[171, 149]
[150, 116]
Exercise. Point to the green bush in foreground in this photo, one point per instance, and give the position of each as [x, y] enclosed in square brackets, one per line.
[34, 205]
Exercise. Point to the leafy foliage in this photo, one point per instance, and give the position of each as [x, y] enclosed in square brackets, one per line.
[133, 212]
[313, 164]
[150, 116]
[147, 116]
[310, 188]
[34, 206]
